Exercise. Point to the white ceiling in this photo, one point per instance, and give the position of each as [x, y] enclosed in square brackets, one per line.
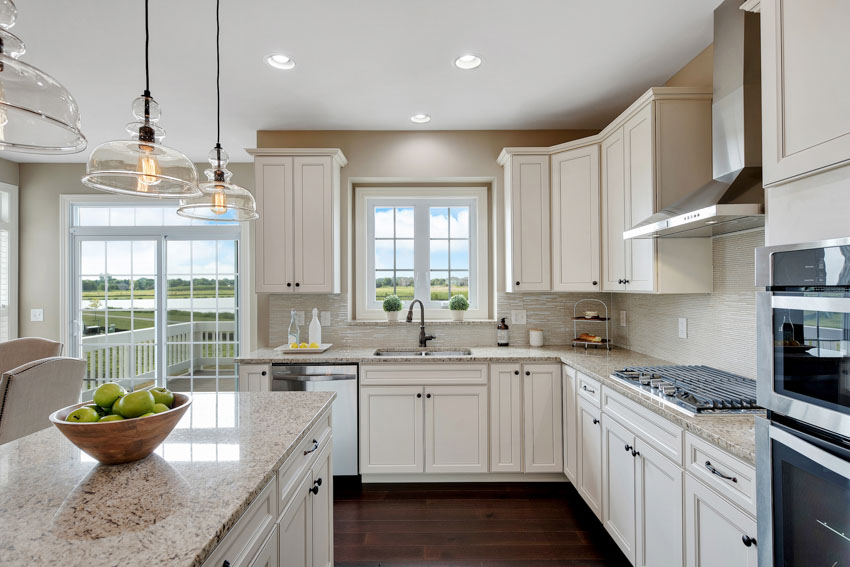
[361, 64]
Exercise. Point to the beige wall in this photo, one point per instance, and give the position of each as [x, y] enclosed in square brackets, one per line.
[39, 277]
[699, 72]
[9, 172]
[413, 155]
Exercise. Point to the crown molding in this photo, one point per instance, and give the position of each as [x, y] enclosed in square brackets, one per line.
[335, 153]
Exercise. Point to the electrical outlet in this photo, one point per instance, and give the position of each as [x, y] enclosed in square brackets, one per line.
[325, 318]
[36, 314]
[299, 317]
[518, 317]
[622, 318]
[683, 328]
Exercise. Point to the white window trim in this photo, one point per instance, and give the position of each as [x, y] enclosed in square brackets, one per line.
[67, 286]
[365, 198]
[13, 227]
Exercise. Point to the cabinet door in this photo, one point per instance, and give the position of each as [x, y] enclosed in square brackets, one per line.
[618, 485]
[296, 527]
[714, 529]
[570, 424]
[254, 378]
[456, 429]
[659, 537]
[575, 220]
[391, 422]
[805, 48]
[313, 229]
[613, 213]
[590, 456]
[528, 206]
[268, 555]
[323, 483]
[639, 148]
[544, 449]
[273, 240]
[505, 418]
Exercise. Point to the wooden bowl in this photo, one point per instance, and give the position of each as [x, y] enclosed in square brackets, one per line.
[125, 441]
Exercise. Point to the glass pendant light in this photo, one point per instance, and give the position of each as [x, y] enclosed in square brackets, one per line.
[220, 200]
[37, 114]
[142, 166]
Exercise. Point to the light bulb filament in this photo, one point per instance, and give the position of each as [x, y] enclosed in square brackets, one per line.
[147, 168]
[219, 201]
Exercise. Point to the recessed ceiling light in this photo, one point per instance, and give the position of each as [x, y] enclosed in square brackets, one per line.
[468, 61]
[420, 118]
[280, 61]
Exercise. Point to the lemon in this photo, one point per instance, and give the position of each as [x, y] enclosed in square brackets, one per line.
[303, 345]
[314, 345]
[293, 345]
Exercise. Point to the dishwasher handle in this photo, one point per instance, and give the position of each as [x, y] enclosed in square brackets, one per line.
[313, 377]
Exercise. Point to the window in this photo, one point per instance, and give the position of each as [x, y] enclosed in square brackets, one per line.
[8, 262]
[426, 244]
[155, 297]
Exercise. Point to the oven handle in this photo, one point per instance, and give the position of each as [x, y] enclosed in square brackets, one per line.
[823, 304]
[312, 377]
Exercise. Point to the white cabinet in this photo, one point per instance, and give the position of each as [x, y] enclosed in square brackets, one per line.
[805, 87]
[391, 429]
[296, 527]
[589, 475]
[505, 418]
[456, 429]
[268, 555]
[255, 377]
[639, 177]
[716, 530]
[575, 219]
[543, 450]
[659, 508]
[527, 238]
[570, 423]
[322, 496]
[297, 244]
[613, 213]
[618, 488]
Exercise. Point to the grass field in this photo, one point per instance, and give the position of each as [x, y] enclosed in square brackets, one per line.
[173, 293]
[121, 318]
[405, 293]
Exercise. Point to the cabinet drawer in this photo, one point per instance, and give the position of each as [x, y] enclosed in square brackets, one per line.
[423, 374]
[245, 539]
[661, 434]
[589, 389]
[302, 459]
[732, 477]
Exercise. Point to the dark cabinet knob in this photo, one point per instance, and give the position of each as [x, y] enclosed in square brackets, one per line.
[427, 395]
[418, 395]
[314, 490]
[516, 372]
[226, 563]
[594, 282]
[297, 284]
[620, 281]
[595, 421]
[318, 482]
[628, 448]
[527, 373]
[624, 281]
[749, 541]
[288, 284]
[517, 283]
[635, 453]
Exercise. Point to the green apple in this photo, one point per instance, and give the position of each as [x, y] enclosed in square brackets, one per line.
[84, 414]
[113, 417]
[163, 396]
[100, 411]
[116, 407]
[108, 394]
[150, 413]
[136, 404]
[159, 408]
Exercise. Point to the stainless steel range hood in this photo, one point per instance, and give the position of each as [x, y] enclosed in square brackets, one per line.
[734, 200]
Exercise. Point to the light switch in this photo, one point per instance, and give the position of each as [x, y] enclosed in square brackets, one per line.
[325, 318]
[683, 328]
[622, 318]
[36, 314]
[518, 316]
[299, 317]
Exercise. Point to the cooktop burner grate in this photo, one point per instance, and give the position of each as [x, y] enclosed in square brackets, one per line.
[693, 389]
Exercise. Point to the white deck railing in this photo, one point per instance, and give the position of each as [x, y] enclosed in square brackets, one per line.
[131, 355]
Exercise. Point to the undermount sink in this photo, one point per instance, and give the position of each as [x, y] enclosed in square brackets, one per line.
[429, 352]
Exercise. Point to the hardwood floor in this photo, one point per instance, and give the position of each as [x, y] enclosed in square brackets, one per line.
[468, 525]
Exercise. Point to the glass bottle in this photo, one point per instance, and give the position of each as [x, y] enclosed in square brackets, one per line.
[502, 333]
[293, 329]
[786, 330]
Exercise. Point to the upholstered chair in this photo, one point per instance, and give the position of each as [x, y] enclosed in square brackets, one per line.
[20, 351]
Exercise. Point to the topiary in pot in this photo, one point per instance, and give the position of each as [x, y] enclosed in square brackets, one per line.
[458, 305]
[392, 305]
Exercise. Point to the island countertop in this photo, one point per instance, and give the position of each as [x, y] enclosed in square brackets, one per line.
[60, 507]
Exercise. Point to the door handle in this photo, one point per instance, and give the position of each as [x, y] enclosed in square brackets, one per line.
[315, 446]
[586, 389]
[714, 471]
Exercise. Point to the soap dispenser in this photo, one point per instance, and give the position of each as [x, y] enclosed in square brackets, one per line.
[502, 333]
[315, 328]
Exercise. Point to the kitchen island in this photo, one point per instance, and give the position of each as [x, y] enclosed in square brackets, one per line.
[60, 507]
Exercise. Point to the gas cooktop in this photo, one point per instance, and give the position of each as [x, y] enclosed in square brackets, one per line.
[693, 390]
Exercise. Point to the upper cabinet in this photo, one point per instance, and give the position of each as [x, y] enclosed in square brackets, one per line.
[297, 238]
[805, 115]
[527, 239]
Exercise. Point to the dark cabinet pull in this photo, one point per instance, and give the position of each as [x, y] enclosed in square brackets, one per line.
[226, 563]
[595, 421]
[297, 284]
[418, 395]
[594, 282]
[635, 453]
[288, 284]
[315, 446]
[263, 373]
[516, 372]
[318, 482]
[586, 389]
[714, 471]
[629, 448]
[620, 280]
[624, 281]
[314, 490]
[528, 373]
[749, 541]
[517, 283]
[427, 395]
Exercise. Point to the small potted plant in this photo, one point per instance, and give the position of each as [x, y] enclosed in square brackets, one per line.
[392, 305]
[458, 306]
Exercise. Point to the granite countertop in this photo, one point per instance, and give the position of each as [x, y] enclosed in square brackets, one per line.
[59, 506]
[734, 433]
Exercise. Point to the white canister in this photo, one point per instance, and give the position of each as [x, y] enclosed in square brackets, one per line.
[535, 337]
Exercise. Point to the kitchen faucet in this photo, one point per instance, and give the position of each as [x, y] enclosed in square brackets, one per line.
[423, 338]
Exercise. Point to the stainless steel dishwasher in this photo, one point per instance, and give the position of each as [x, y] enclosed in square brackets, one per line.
[328, 377]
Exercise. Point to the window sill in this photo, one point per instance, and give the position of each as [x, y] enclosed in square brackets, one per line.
[429, 322]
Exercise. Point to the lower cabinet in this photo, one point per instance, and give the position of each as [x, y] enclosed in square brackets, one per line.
[569, 419]
[618, 488]
[456, 429]
[589, 463]
[268, 555]
[255, 378]
[718, 533]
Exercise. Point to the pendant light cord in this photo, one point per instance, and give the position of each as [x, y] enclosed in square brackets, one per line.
[218, 77]
[147, 43]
